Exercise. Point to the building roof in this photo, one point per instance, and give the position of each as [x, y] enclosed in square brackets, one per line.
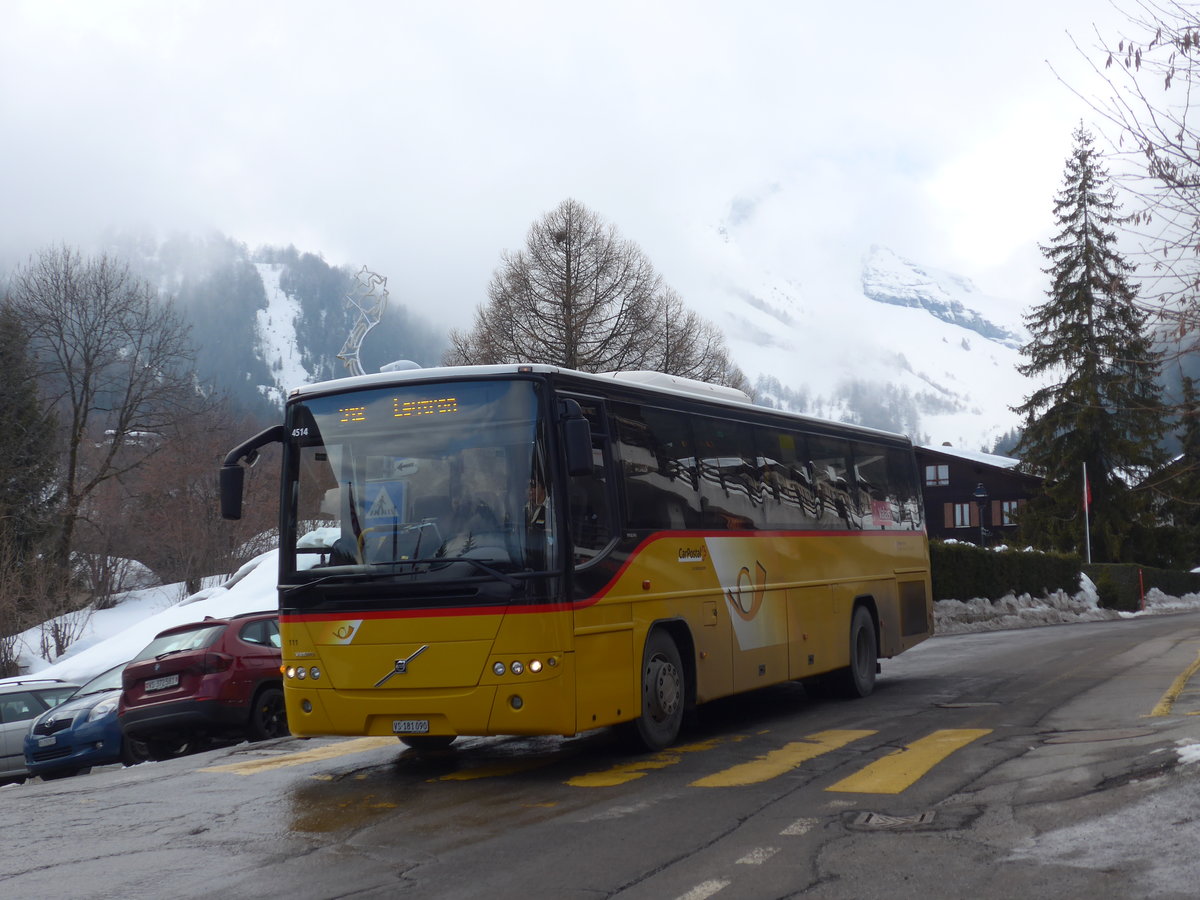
[975, 456]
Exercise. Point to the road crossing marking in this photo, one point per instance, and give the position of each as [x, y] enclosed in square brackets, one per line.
[757, 856]
[892, 774]
[781, 761]
[900, 769]
[329, 751]
[706, 889]
[799, 827]
[631, 771]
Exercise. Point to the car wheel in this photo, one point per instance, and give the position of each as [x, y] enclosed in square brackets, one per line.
[268, 716]
[134, 751]
[160, 749]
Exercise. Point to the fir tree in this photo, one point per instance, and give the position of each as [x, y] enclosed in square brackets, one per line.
[27, 439]
[1101, 403]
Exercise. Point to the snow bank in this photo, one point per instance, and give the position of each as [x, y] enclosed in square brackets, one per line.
[116, 635]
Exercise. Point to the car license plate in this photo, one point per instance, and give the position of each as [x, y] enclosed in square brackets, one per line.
[47, 741]
[157, 684]
[410, 726]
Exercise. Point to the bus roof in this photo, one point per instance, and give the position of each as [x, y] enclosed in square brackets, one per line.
[642, 381]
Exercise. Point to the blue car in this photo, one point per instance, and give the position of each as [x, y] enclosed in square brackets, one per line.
[81, 732]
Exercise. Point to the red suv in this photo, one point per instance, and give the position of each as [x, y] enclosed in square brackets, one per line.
[210, 679]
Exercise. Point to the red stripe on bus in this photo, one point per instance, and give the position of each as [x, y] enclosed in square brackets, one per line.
[434, 612]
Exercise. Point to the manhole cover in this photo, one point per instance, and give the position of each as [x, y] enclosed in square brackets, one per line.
[1087, 737]
[882, 822]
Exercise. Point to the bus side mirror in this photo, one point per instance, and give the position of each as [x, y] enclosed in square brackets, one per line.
[232, 480]
[577, 439]
[233, 476]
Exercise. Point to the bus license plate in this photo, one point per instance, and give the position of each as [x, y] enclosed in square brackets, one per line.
[410, 726]
[158, 684]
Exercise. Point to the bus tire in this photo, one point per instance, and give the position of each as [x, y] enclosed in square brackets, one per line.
[858, 679]
[426, 743]
[664, 690]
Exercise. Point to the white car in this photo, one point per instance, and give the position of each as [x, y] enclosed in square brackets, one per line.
[21, 701]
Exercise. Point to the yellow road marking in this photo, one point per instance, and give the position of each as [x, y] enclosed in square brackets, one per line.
[781, 761]
[329, 751]
[626, 772]
[900, 769]
[1163, 707]
[496, 770]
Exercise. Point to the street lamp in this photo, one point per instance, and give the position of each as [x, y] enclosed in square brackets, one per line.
[981, 497]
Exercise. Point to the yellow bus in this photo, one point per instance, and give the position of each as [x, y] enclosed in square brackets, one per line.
[525, 549]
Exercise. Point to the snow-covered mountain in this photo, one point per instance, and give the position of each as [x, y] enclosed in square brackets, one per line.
[894, 345]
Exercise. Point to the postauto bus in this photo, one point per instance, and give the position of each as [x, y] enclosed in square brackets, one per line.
[525, 549]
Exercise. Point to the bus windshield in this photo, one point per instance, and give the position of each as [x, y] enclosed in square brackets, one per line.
[431, 482]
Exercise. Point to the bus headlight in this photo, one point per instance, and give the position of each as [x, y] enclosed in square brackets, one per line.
[517, 668]
[314, 673]
[498, 668]
[535, 666]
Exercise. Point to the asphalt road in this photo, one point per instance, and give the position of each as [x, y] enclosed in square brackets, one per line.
[1049, 762]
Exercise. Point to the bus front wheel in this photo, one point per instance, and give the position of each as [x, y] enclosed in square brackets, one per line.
[858, 679]
[664, 690]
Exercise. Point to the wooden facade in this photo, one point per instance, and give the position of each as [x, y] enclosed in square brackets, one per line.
[954, 482]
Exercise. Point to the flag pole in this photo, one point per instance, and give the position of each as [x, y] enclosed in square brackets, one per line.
[1087, 527]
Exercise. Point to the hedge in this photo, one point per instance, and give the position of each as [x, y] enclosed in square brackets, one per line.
[1121, 585]
[964, 571]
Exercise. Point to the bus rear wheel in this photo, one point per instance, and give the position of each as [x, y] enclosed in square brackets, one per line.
[858, 679]
[664, 689]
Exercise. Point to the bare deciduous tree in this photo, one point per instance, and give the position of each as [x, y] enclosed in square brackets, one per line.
[1150, 75]
[579, 296]
[174, 505]
[113, 359]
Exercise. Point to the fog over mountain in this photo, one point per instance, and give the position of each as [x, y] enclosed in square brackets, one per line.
[890, 344]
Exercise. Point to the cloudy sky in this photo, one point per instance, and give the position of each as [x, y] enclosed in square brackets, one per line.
[422, 139]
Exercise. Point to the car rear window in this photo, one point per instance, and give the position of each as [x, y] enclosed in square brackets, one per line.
[193, 639]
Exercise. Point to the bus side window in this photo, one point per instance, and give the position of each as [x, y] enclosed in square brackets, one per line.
[730, 486]
[831, 472]
[790, 499]
[657, 467]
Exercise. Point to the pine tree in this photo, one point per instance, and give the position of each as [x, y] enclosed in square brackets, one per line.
[1101, 403]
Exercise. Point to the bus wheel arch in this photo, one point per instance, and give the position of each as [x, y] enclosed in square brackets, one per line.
[666, 685]
[858, 679]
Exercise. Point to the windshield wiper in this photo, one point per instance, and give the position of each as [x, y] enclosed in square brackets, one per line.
[442, 560]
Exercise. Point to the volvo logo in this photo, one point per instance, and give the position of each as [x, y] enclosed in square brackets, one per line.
[401, 666]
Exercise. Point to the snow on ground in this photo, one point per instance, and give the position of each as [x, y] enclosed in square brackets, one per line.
[114, 636]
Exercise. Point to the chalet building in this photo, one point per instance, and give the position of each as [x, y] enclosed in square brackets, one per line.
[972, 496]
